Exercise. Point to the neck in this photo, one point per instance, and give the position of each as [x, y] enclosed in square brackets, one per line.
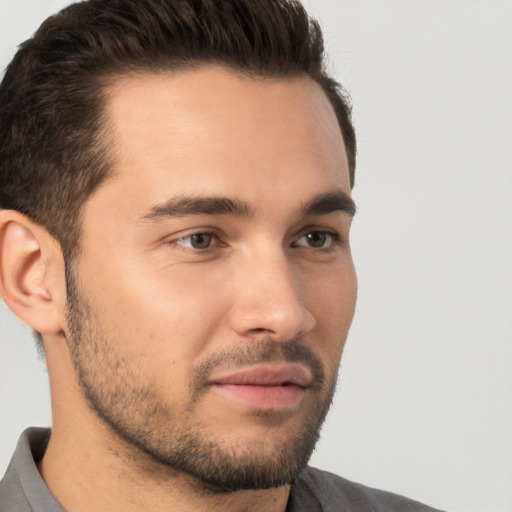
[87, 466]
[84, 474]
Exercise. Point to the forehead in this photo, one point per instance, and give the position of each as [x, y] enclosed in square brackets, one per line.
[212, 130]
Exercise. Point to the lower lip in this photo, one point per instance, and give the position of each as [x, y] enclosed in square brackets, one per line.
[263, 397]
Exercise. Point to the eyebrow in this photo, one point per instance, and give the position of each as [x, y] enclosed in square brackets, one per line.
[330, 202]
[321, 204]
[189, 205]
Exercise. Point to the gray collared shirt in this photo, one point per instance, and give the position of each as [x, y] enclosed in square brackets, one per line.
[23, 490]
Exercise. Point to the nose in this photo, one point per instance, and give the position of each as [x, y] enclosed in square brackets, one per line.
[268, 299]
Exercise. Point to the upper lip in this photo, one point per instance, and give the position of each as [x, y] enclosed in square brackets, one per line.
[276, 374]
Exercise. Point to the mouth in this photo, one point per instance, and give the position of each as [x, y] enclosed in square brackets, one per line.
[265, 387]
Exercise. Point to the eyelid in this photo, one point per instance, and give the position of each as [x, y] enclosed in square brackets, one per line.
[333, 235]
[196, 231]
[336, 237]
[329, 229]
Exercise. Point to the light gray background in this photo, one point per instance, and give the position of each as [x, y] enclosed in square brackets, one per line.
[424, 406]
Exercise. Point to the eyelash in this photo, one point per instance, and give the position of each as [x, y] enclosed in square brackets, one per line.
[209, 233]
[336, 240]
[334, 237]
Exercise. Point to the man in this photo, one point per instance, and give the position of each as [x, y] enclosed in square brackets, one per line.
[175, 179]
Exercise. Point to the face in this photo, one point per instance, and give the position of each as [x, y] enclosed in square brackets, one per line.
[214, 290]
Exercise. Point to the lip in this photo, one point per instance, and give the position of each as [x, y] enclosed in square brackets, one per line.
[278, 374]
[278, 386]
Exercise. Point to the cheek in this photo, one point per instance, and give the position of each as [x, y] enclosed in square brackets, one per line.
[166, 315]
[331, 292]
[331, 298]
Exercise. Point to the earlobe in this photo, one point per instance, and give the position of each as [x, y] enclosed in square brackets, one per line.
[29, 261]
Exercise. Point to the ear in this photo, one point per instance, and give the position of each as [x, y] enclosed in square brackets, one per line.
[32, 278]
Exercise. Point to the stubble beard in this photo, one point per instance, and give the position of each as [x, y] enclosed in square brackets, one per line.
[134, 410]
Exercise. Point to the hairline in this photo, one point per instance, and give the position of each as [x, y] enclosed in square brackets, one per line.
[106, 83]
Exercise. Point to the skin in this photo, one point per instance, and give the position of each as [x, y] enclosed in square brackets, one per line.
[162, 308]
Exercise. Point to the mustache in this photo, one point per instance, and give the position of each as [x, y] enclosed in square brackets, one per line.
[267, 350]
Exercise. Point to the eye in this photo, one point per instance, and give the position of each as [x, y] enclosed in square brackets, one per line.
[198, 241]
[317, 240]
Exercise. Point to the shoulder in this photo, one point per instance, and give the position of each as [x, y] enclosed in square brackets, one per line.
[22, 489]
[12, 497]
[316, 490]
